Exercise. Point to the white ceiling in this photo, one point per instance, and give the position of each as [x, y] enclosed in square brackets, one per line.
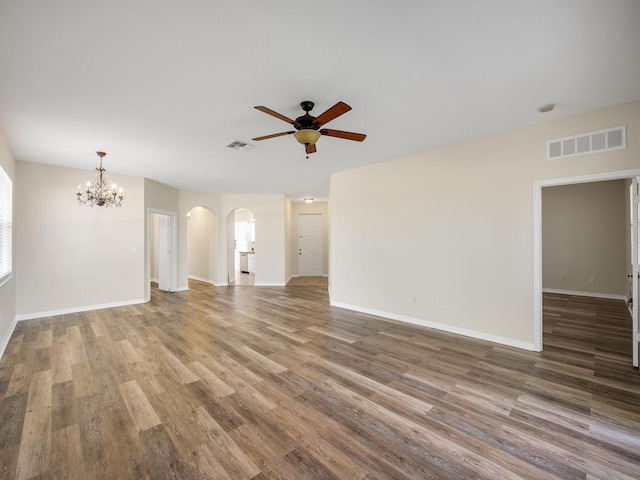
[163, 86]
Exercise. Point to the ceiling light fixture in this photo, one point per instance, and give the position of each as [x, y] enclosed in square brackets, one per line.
[547, 108]
[308, 200]
[99, 192]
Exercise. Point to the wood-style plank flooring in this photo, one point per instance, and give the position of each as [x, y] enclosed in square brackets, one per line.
[266, 383]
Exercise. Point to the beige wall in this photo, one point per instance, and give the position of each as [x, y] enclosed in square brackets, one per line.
[455, 225]
[61, 247]
[320, 208]
[8, 289]
[288, 239]
[201, 237]
[584, 243]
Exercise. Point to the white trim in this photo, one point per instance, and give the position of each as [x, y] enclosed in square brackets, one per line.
[87, 308]
[181, 289]
[439, 326]
[269, 284]
[608, 296]
[200, 279]
[537, 267]
[173, 233]
[5, 340]
[537, 235]
[204, 280]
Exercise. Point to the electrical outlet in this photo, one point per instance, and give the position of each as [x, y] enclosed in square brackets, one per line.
[414, 299]
[592, 279]
[442, 303]
[562, 276]
[86, 290]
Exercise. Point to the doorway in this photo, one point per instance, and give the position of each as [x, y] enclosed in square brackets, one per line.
[537, 239]
[161, 263]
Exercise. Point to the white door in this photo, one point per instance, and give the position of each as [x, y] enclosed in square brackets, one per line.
[165, 252]
[310, 245]
[635, 262]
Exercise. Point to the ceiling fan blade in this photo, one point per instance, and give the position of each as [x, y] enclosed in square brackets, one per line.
[311, 148]
[268, 111]
[273, 135]
[358, 137]
[335, 111]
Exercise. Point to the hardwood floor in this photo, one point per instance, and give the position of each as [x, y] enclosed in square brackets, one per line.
[260, 383]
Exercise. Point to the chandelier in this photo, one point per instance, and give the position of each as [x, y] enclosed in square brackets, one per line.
[99, 191]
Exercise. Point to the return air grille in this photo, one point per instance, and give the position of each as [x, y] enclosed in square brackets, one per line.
[593, 142]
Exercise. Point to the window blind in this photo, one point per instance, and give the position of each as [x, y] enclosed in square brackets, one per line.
[6, 225]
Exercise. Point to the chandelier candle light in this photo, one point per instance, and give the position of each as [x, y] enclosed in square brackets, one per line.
[99, 192]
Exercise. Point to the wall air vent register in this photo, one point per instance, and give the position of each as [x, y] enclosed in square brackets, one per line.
[240, 145]
[585, 143]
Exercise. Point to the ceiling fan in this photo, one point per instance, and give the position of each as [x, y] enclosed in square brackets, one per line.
[307, 127]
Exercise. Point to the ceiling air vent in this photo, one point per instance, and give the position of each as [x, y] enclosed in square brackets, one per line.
[593, 142]
[239, 145]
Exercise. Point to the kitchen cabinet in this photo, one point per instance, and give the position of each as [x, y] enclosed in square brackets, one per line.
[247, 262]
[251, 262]
[244, 262]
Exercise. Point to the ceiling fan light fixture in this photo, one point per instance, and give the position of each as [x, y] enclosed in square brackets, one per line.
[307, 136]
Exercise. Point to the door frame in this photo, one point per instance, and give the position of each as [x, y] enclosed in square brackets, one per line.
[173, 243]
[537, 236]
[635, 267]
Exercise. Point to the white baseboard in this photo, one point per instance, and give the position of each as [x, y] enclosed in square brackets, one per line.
[200, 279]
[7, 337]
[269, 284]
[86, 308]
[608, 296]
[210, 282]
[440, 326]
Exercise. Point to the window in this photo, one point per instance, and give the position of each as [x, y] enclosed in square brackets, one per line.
[6, 227]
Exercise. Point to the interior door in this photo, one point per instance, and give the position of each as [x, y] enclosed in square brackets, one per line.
[164, 240]
[310, 245]
[635, 261]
